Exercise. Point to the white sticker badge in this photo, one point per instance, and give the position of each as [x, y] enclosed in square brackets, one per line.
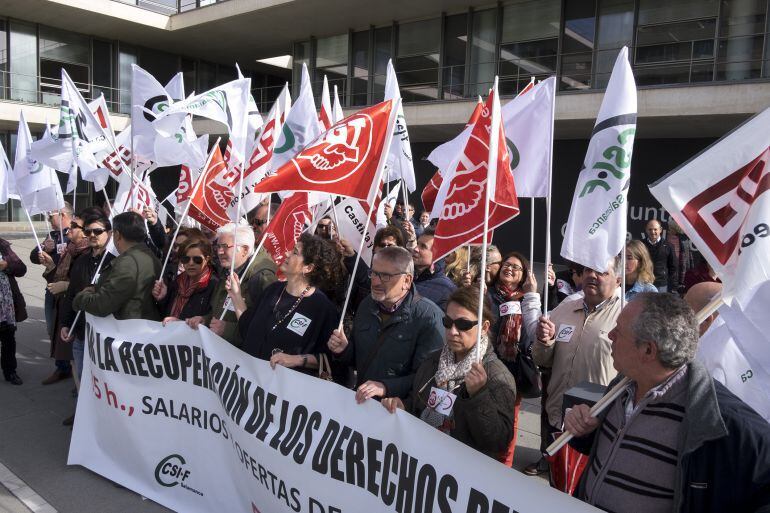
[299, 324]
[564, 334]
[228, 305]
[61, 248]
[441, 401]
[510, 308]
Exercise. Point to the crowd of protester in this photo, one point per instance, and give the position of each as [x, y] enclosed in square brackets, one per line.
[676, 440]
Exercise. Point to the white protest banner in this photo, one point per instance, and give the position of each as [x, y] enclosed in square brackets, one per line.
[193, 423]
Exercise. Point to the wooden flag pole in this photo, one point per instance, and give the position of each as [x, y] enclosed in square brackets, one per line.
[187, 206]
[376, 185]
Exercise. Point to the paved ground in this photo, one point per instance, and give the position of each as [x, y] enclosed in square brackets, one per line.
[34, 475]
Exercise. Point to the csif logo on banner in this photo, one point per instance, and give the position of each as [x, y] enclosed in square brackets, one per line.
[172, 471]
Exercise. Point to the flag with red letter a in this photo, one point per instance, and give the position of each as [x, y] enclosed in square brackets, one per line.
[343, 161]
[286, 226]
[209, 203]
[460, 201]
[721, 200]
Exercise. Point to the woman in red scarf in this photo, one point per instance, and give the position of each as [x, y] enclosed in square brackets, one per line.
[189, 295]
[508, 335]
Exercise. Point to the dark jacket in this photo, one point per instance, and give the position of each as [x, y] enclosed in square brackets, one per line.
[484, 421]
[435, 286]
[15, 269]
[254, 281]
[664, 264]
[56, 237]
[409, 334]
[156, 238]
[199, 303]
[724, 451]
[81, 275]
[124, 288]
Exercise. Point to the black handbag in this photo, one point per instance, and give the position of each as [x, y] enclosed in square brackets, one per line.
[528, 381]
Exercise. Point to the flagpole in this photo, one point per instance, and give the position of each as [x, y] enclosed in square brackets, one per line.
[623, 277]
[107, 200]
[406, 198]
[532, 233]
[94, 278]
[380, 168]
[187, 206]
[548, 209]
[334, 213]
[246, 267]
[237, 221]
[31, 225]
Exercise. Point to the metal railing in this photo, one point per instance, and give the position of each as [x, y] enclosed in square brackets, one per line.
[170, 7]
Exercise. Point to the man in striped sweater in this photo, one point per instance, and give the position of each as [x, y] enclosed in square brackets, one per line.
[675, 440]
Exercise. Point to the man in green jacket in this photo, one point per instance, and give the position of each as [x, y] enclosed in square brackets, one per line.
[259, 274]
[124, 288]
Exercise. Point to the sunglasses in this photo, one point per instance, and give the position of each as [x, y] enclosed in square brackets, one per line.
[258, 222]
[94, 231]
[196, 259]
[460, 323]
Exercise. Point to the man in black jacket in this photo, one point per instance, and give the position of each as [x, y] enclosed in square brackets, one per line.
[675, 439]
[429, 278]
[664, 261]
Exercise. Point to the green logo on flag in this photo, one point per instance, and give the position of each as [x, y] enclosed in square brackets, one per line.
[620, 161]
[289, 144]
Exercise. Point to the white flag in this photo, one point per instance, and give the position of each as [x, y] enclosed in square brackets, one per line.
[720, 199]
[175, 87]
[596, 229]
[325, 115]
[391, 200]
[228, 104]
[351, 213]
[37, 184]
[300, 126]
[184, 147]
[337, 113]
[254, 118]
[148, 99]
[399, 164]
[7, 182]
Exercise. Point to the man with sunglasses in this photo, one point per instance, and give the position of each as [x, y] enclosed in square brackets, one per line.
[124, 288]
[394, 329]
[258, 218]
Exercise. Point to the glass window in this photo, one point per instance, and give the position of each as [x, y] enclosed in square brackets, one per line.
[742, 17]
[662, 11]
[102, 71]
[188, 70]
[159, 6]
[577, 44]
[126, 57]
[207, 76]
[483, 52]
[301, 56]
[383, 38]
[741, 24]
[615, 30]
[331, 60]
[3, 64]
[23, 57]
[227, 73]
[531, 19]
[455, 48]
[418, 59]
[161, 65]
[360, 78]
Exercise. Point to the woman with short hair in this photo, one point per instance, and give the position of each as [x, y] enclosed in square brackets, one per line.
[639, 270]
[482, 395]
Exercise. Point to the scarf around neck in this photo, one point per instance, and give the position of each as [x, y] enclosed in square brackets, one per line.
[507, 343]
[186, 287]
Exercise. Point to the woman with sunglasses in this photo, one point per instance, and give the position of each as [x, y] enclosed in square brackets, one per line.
[190, 292]
[294, 318]
[96, 232]
[470, 401]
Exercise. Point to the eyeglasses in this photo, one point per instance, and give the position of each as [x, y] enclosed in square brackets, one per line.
[75, 226]
[460, 323]
[383, 277]
[94, 231]
[186, 259]
[515, 267]
[224, 247]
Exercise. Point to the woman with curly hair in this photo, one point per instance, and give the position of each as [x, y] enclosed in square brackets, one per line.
[294, 318]
[639, 273]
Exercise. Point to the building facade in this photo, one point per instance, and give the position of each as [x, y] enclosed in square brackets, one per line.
[702, 66]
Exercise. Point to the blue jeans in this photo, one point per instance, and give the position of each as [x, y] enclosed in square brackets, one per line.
[78, 349]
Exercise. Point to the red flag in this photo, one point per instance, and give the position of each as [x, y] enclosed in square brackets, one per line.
[345, 160]
[431, 189]
[287, 225]
[209, 204]
[462, 213]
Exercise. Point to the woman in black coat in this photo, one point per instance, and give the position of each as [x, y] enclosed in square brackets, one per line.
[12, 309]
[189, 295]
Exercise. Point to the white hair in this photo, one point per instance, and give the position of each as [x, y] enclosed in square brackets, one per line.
[243, 233]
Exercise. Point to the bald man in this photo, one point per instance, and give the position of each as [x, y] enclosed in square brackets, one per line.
[721, 355]
[664, 261]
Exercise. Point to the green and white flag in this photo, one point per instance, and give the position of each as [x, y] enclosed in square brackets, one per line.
[300, 127]
[596, 229]
[37, 184]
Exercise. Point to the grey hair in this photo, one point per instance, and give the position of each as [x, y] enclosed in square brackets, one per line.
[245, 235]
[617, 265]
[67, 209]
[670, 323]
[398, 256]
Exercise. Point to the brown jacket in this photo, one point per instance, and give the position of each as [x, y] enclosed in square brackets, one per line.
[484, 421]
[15, 269]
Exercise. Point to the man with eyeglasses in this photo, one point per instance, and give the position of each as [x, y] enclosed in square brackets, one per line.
[260, 273]
[429, 277]
[258, 218]
[574, 340]
[124, 288]
[394, 329]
